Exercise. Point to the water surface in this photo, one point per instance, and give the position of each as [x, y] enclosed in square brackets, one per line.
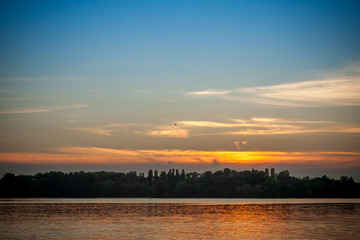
[179, 218]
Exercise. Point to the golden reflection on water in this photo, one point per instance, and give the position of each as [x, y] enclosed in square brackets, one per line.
[179, 221]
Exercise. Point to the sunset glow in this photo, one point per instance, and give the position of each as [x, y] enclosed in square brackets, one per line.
[104, 156]
[191, 84]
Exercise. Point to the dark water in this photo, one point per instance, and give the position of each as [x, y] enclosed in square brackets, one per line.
[180, 219]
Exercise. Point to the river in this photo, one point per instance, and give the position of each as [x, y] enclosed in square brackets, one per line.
[142, 218]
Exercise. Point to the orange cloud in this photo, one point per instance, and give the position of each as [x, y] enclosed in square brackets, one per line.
[106, 156]
[171, 132]
[253, 126]
[153, 130]
[208, 124]
[271, 126]
[107, 129]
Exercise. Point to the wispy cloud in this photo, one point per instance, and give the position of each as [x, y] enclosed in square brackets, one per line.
[268, 126]
[209, 92]
[281, 120]
[237, 144]
[207, 124]
[104, 156]
[170, 132]
[341, 90]
[151, 130]
[253, 126]
[107, 129]
[43, 109]
[100, 131]
[52, 78]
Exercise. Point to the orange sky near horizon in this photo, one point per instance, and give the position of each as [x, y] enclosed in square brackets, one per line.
[107, 156]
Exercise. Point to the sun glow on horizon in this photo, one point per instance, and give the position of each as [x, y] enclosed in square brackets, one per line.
[108, 156]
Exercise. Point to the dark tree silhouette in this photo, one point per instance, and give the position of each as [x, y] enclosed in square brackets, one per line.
[150, 177]
[222, 183]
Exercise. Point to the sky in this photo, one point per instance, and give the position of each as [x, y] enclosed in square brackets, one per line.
[199, 85]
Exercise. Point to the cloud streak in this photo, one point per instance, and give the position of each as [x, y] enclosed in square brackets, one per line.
[170, 132]
[207, 124]
[336, 91]
[233, 127]
[343, 92]
[268, 126]
[43, 109]
[108, 156]
[151, 130]
[253, 126]
[106, 130]
[209, 92]
[237, 144]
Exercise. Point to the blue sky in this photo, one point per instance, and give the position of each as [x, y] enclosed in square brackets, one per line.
[180, 40]
[249, 76]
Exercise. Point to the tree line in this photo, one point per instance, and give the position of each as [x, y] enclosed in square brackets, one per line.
[173, 183]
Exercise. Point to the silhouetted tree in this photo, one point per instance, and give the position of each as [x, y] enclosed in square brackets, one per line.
[150, 177]
[267, 172]
[182, 176]
[177, 176]
[222, 183]
[273, 172]
[156, 176]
